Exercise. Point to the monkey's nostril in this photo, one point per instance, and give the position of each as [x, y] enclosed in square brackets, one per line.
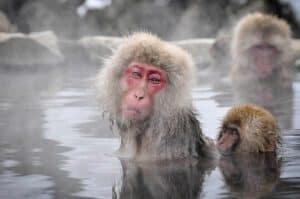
[139, 97]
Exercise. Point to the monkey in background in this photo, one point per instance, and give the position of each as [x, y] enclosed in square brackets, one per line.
[261, 51]
[262, 69]
[145, 88]
[248, 128]
[261, 58]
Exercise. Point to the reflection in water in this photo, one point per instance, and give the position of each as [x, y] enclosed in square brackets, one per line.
[168, 179]
[30, 166]
[53, 144]
[250, 175]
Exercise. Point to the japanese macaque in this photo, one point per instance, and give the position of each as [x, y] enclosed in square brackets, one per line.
[248, 128]
[251, 175]
[145, 88]
[261, 51]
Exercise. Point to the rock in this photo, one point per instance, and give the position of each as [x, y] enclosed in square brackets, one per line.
[99, 48]
[33, 49]
[74, 53]
[199, 49]
[56, 15]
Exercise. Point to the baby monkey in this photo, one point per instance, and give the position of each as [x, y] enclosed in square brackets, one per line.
[248, 128]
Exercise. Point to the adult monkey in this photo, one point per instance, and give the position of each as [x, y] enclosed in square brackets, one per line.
[262, 51]
[263, 60]
[145, 87]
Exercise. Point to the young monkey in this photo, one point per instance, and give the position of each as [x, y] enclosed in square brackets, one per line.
[248, 128]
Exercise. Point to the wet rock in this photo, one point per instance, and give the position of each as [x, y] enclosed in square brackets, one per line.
[74, 53]
[56, 15]
[99, 48]
[33, 49]
[199, 49]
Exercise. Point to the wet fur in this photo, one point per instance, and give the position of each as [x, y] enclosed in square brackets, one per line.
[255, 29]
[172, 130]
[258, 129]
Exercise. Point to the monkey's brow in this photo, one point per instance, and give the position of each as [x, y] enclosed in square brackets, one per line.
[231, 126]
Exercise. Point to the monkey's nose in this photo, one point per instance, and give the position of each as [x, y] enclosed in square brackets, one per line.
[139, 95]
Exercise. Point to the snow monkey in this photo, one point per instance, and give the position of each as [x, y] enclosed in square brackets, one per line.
[262, 51]
[248, 128]
[145, 88]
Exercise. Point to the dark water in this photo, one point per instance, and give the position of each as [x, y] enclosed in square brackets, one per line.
[55, 144]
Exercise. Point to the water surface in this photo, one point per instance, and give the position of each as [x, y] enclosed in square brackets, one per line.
[54, 143]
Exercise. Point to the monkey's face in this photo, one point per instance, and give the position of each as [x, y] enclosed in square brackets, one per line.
[264, 57]
[140, 82]
[228, 139]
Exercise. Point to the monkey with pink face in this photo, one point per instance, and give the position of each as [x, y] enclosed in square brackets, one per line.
[145, 88]
[261, 51]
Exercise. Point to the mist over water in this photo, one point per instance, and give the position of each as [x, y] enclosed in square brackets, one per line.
[54, 143]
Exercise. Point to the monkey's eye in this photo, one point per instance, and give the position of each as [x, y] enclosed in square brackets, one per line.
[154, 79]
[233, 131]
[136, 74]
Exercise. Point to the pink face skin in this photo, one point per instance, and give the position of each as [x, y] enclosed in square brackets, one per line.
[264, 56]
[228, 139]
[142, 82]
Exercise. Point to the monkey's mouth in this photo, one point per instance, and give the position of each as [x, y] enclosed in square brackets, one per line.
[132, 112]
[264, 56]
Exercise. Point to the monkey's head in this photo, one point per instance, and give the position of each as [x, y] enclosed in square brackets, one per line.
[248, 128]
[145, 77]
[261, 44]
